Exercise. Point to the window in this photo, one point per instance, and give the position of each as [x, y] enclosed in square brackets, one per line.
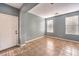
[50, 26]
[72, 25]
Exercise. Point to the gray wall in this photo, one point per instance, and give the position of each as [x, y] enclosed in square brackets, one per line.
[59, 26]
[32, 26]
[6, 9]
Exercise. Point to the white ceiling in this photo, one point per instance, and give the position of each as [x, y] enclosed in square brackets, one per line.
[16, 5]
[47, 10]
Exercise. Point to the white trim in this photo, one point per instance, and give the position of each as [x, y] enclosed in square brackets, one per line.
[31, 40]
[22, 45]
[63, 39]
[49, 37]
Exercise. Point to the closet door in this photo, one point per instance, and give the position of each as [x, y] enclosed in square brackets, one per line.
[8, 31]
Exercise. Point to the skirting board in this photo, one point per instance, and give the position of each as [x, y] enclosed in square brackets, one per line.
[62, 39]
[31, 40]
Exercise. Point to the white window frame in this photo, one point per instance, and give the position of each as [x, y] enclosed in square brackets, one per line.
[69, 23]
[50, 30]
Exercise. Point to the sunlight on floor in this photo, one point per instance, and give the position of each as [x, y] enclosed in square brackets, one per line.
[69, 50]
[50, 47]
[50, 44]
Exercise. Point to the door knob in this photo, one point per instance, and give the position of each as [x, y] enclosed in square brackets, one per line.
[16, 32]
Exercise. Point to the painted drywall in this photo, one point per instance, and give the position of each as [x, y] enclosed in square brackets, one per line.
[59, 26]
[32, 26]
[6, 9]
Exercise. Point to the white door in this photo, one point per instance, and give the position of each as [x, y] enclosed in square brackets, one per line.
[8, 28]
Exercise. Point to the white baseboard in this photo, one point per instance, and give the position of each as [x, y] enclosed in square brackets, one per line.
[22, 45]
[31, 40]
[63, 39]
[49, 37]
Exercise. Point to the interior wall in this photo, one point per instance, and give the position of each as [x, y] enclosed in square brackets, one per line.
[6, 9]
[59, 26]
[32, 26]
